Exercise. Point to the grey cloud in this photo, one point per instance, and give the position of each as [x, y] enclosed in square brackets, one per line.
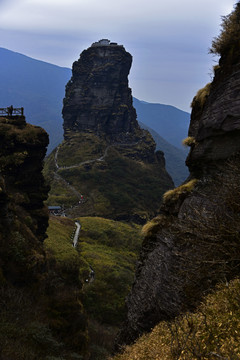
[169, 41]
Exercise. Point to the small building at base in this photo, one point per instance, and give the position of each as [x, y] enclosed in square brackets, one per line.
[55, 210]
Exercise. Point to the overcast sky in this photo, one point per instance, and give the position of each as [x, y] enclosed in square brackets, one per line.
[169, 40]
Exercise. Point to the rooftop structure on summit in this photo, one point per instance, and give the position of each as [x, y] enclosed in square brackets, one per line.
[105, 42]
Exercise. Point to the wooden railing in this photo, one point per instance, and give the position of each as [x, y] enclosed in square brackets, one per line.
[11, 111]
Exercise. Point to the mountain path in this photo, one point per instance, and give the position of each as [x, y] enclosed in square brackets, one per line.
[101, 158]
[75, 239]
[76, 234]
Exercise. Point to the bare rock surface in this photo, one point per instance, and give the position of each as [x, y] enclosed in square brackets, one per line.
[97, 96]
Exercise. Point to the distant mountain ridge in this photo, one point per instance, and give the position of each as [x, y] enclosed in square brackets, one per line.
[175, 157]
[168, 121]
[40, 87]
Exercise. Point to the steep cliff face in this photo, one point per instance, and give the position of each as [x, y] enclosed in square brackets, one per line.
[194, 242]
[106, 166]
[39, 306]
[215, 120]
[23, 190]
[97, 96]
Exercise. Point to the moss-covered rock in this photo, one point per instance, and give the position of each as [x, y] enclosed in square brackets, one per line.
[37, 290]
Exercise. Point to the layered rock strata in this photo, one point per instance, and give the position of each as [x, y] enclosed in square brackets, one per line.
[97, 96]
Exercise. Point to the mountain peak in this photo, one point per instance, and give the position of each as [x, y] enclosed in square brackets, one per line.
[105, 156]
[97, 96]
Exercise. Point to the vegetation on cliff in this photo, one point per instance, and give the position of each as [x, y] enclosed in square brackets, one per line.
[228, 39]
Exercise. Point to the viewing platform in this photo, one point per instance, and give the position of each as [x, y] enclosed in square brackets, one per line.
[11, 112]
[14, 116]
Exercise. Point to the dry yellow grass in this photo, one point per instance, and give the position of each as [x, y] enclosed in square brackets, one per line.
[189, 141]
[173, 195]
[150, 227]
[201, 96]
[212, 332]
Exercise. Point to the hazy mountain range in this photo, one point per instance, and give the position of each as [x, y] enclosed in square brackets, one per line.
[40, 87]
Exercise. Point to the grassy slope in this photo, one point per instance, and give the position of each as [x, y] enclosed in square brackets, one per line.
[27, 319]
[212, 332]
[110, 248]
[117, 187]
[59, 241]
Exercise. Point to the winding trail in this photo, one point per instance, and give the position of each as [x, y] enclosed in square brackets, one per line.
[77, 232]
[55, 157]
[91, 276]
[101, 158]
[58, 177]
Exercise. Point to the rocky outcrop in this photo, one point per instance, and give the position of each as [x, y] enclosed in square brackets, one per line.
[194, 242]
[97, 96]
[105, 156]
[215, 125]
